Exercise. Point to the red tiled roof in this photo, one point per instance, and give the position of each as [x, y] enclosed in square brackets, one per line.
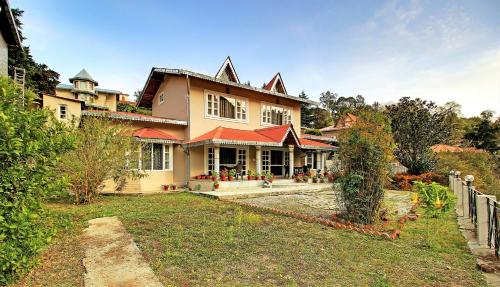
[276, 133]
[270, 85]
[149, 133]
[133, 116]
[310, 143]
[222, 133]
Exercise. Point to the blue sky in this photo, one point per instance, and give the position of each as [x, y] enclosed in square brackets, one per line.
[383, 50]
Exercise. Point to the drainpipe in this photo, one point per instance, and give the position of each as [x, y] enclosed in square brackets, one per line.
[188, 137]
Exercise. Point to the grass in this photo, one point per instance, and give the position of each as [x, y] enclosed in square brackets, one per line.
[191, 240]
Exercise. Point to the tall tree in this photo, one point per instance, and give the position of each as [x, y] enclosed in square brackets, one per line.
[416, 126]
[455, 119]
[485, 134]
[39, 77]
[306, 112]
[322, 118]
[340, 106]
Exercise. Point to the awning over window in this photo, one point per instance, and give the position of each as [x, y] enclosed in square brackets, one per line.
[154, 135]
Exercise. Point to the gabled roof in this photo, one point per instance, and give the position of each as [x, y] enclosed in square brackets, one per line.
[83, 75]
[227, 71]
[157, 76]
[276, 85]
[133, 117]
[342, 123]
[275, 136]
[154, 134]
[8, 26]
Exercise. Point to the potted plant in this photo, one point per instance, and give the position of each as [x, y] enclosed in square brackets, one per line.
[232, 173]
[250, 174]
[198, 177]
[173, 186]
[315, 179]
[305, 178]
[322, 178]
[216, 184]
[215, 175]
[263, 176]
[269, 176]
[223, 175]
[256, 175]
[165, 187]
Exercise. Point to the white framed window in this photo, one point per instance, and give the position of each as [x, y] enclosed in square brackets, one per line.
[310, 159]
[225, 107]
[266, 161]
[63, 112]
[156, 156]
[161, 98]
[275, 114]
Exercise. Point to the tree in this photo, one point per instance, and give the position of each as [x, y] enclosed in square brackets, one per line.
[365, 153]
[417, 125]
[31, 140]
[456, 122]
[485, 134]
[39, 77]
[103, 151]
[306, 112]
[340, 106]
[322, 118]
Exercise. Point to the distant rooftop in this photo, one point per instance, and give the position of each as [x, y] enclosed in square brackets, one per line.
[83, 75]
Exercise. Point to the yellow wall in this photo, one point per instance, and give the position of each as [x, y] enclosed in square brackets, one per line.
[73, 108]
[200, 125]
[175, 104]
[65, 94]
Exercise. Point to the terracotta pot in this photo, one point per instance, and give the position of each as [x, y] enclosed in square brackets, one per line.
[216, 186]
[250, 177]
[173, 187]
[262, 177]
[165, 188]
[231, 178]
[214, 178]
[198, 177]
[223, 178]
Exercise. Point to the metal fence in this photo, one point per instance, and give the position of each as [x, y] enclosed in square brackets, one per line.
[483, 210]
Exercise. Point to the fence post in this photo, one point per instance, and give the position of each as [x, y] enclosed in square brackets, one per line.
[482, 218]
[465, 195]
[457, 182]
[451, 176]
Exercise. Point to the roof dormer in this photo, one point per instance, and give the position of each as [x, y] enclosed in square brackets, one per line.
[276, 85]
[227, 72]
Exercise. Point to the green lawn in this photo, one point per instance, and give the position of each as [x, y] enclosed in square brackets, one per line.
[195, 241]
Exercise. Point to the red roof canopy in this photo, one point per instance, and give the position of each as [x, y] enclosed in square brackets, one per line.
[149, 133]
[272, 136]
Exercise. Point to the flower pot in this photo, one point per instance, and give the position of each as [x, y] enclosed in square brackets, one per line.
[173, 187]
[214, 178]
[262, 177]
[249, 177]
[223, 178]
[216, 186]
[165, 187]
[231, 178]
[198, 177]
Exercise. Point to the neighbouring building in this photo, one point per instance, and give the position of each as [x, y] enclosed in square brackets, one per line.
[9, 36]
[343, 123]
[69, 100]
[202, 123]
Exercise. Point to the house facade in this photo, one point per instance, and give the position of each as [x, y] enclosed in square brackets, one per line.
[334, 130]
[202, 123]
[9, 36]
[69, 100]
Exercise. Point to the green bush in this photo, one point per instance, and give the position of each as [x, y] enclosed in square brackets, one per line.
[314, 132]
[482, 165]
[365, 152]
[30, 141]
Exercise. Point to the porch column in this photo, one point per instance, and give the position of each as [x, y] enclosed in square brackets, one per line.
[258, 159]
[290, 161]
[323, 161]
[318, 160]
[216, 158]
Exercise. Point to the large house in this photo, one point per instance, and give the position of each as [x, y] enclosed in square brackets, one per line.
[69, 100]
[343, 123]
[9, 36]
[202, 123]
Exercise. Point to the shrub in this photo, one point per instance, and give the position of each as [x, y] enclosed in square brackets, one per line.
[30, 141]
[405, 181]
[365, 152]
[314, 132]
[102, 152]
[482, 165]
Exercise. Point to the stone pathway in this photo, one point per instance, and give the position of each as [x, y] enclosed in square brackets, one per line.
[112, 258]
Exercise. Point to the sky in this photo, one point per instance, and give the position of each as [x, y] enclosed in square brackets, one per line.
[437, 50]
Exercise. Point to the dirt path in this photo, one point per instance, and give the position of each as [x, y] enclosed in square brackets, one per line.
[112, 258]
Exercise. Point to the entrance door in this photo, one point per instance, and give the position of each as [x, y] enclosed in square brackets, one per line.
[277, 162]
